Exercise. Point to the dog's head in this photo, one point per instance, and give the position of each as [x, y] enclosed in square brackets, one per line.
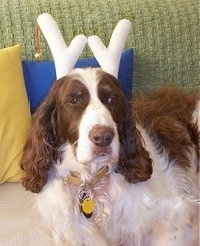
[85, 110]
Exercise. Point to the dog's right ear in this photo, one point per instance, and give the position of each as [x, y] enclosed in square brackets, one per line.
[40, 148]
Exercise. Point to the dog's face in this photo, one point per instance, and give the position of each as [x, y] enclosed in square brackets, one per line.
[88, 115]
[87, 112]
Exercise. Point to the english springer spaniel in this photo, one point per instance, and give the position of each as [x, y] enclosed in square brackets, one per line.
[112, 172]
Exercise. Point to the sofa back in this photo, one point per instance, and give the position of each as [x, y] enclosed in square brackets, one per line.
[164, 35]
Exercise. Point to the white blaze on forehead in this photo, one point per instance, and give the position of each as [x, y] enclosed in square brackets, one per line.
[89, 77]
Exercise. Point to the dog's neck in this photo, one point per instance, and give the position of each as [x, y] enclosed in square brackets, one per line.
[95, 177]
[85, 196]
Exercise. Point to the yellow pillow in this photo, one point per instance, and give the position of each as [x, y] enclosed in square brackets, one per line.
[14, 113]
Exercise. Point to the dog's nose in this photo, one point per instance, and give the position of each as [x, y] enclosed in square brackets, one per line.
[101, 136]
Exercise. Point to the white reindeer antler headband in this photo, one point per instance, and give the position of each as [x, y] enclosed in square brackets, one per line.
[65, 57]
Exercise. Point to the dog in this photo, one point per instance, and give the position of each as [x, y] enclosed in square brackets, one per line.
[113, 172]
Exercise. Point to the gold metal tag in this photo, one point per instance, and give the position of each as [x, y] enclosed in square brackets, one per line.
[88, 206]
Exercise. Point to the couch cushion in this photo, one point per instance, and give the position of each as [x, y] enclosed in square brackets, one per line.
[40, 75]
[20, 224]
[14, 111]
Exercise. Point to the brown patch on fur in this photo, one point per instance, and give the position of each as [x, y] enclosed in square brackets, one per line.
[167, 117]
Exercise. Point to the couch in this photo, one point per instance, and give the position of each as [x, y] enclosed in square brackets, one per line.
[165, 43]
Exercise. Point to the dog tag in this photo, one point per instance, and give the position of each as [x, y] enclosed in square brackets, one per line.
[86, 202]
[87, 207]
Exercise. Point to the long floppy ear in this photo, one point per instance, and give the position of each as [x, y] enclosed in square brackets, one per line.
[40, 149]
[135, 163]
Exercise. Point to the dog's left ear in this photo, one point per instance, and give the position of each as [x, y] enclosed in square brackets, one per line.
[135, 163]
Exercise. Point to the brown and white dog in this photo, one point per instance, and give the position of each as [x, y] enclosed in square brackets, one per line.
[148, 149]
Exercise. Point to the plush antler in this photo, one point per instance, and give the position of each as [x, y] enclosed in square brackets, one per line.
[109, 58]
[65, 57]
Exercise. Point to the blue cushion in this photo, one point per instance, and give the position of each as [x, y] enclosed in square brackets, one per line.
[40, 75]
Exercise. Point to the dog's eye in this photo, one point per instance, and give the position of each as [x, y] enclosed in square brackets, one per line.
[109, 99]
[112, 99]
[75, 100]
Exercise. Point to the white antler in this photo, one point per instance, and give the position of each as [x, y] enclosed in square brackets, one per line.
[109, 58]
[65, 57]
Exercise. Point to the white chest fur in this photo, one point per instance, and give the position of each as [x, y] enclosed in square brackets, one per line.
[152, 213]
